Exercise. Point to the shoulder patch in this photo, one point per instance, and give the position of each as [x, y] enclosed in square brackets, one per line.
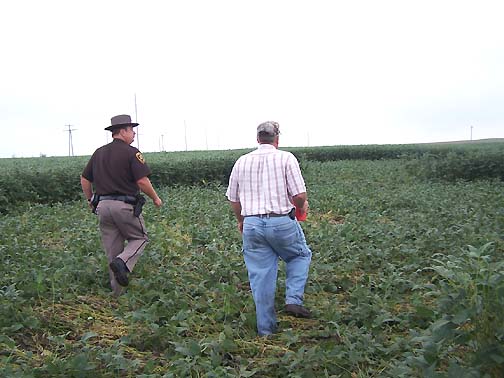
[140, 157]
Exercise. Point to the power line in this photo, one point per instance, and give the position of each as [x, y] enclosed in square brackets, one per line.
[70, 142]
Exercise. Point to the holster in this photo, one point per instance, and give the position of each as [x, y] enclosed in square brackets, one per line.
[138, 205]
[94, 201]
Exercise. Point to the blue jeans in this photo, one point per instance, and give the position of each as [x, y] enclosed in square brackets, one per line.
[264, 241]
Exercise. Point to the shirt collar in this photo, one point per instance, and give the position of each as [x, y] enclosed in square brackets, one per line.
[266, 146]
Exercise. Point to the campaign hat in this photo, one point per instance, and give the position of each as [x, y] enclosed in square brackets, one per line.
[120, 121]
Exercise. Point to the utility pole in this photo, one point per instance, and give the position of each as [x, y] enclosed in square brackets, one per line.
[185, 134]
[161, 146]
[70, 142]
[136, 120]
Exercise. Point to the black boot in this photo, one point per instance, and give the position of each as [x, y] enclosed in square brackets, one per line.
[120, 271]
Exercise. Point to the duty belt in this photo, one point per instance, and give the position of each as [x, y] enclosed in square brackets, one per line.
[119, 197]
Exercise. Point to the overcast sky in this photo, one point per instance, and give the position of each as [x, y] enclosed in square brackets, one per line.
[206, 73]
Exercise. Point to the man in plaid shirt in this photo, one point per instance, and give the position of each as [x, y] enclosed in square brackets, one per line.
[264, 187]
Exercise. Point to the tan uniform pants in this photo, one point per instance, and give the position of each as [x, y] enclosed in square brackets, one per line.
[118, 225]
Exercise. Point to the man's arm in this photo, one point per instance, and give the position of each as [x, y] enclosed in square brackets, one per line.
[145, 186]
[301, 202]
[87, 187]
[296, 184]
[236, 206]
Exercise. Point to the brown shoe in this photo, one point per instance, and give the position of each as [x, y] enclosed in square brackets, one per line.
[297, 311]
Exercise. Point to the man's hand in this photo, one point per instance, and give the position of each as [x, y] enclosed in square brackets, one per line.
[240, 226]
[146, 186]
[157, 202]
[305, 207]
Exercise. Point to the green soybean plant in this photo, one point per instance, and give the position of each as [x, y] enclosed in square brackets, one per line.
[468, 335]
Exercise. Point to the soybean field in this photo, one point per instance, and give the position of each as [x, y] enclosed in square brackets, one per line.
[407, 275]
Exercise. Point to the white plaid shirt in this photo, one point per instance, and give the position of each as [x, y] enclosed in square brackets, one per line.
[265, 180]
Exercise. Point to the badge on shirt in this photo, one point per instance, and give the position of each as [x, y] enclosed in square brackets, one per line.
[140, 157]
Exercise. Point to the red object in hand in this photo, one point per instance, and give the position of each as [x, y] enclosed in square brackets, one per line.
[300, 217]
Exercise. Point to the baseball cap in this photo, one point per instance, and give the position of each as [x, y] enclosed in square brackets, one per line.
[271, 128]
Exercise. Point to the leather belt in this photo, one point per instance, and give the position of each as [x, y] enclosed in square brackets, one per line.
[270, 215]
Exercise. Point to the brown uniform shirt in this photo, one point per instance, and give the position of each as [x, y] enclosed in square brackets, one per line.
[115, 168]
